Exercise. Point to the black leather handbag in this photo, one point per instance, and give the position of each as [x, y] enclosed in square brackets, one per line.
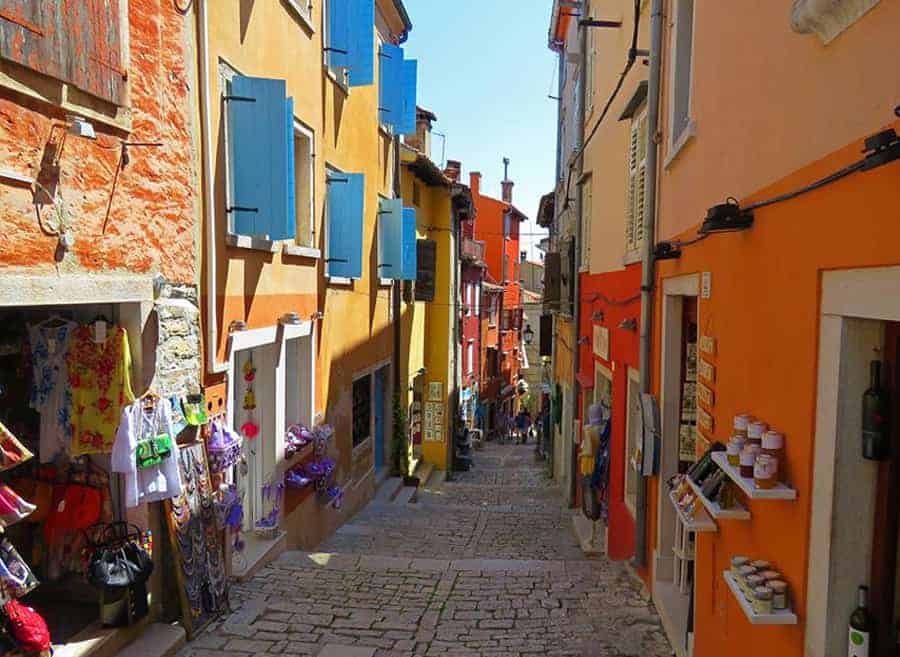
[119, 561]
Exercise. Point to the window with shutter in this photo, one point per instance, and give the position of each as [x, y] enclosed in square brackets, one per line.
[350, 40]
[426, 269]
[682, 47]
[396, 240]
[546, 335]
[262, 181]
[397, 88]
[78, 43]
[552, 264]
[304, 185]
[637, 175]
[344, 224]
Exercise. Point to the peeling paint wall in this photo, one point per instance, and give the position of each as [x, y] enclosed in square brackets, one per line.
[138, 218]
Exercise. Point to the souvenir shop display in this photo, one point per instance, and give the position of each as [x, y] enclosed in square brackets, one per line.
[119, 564]
[50, 394]
[223, 447]
[249, 429]
[194, 534]
[272, 497]
[320, 470]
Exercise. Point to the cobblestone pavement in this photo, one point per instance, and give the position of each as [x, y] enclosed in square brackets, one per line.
[485, 566]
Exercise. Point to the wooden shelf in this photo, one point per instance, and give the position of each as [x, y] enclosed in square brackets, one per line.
[701, 522]
[782, 617]
[780, 492]
[717, 512]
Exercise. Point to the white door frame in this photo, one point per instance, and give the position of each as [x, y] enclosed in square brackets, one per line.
[848, 296]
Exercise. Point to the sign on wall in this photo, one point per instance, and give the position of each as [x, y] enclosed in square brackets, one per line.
[434, 421]
[436, 391]
[601, 342]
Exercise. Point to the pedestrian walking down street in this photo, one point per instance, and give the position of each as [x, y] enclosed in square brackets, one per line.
[523, 425]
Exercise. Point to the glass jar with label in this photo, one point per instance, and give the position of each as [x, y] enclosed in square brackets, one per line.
[765, 472]
[741, 422]
[755, 432]
[761, 565]
[743, 573]
[748, 458]
[762, 600]
[770, 575]
[779, 594]
[773, 445]
[733, 452]
[752, 583]
[737, 562]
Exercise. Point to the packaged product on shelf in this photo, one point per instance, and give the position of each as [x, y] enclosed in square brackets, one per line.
[761, 564]
[748, 459]
[762, 600]
[765, 470]
[743, 573]
[727, 496]
[741, 422]
[755, 432]
[733, 450]
[752, 582]
[737, 562]
[773, 445]
[779, 594]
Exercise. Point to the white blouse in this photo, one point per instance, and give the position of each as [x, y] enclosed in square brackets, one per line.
[154, 483]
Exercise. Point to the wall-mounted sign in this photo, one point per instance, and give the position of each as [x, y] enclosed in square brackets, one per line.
[706, 285]
[601, 342]
[436, 391]
[707, 370]
[705, 421]
[706, 395]
[434, 421]
[707, 345]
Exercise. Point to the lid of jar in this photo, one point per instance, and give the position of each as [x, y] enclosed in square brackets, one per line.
[742, 421]
[754, 580]
[745, 571]
[762, 593]
[733, 448]
[777, 585]
[740, 561]
[770, 575]
[748, 456]
[757, 429]
[760, 564]
[772, 440]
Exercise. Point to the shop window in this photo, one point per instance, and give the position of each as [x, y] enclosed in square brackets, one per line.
[49, 38]
[362, 409]
[304, 184]
[682, 47]
[633, 428]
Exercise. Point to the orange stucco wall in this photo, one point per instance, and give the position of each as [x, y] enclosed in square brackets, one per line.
[764, 313]
[139, 219]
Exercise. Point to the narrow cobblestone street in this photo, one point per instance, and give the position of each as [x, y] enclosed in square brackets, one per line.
[486, 565]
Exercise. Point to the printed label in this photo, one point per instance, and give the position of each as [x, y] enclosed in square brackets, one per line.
[765, 468]
[858, 644]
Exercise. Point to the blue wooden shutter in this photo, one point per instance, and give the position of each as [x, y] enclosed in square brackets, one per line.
[289, 228]
[338, 46]
[390, 220]
[390, 81]
[345, 224]
[258, 158]
[408, 245]
[406, 123]
[361, 28]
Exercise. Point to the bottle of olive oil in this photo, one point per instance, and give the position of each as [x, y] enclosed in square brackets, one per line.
[860, 626]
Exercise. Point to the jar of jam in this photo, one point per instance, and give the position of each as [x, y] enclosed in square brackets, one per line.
[741, 422]
[751, 583]
[762, 600]
[743, 573]
[765, 472]
[737, 562]
[779, 594]
[755, 432]
[761, 565]
[770, 575]
[733, 451]
[748, 458]
[773, 445]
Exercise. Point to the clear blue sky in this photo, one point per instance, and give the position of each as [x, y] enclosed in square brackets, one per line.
[485, 70]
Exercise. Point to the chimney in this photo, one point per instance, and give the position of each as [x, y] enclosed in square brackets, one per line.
[421, 141]
[507, 191]
[475, 183]
[453, 170]
[507, 184]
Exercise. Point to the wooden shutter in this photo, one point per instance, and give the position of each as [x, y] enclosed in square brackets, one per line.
[567, 276]
[346, 200]
[261, 150]
[338, 47]
[552, 271]
[390, 83]
[408, 259]
[409, 83]
[361, 39]
[546, 335]
[75, 41]
[637, 178]
[426, 269]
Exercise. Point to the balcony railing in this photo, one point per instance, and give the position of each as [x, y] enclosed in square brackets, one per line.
[472, 250]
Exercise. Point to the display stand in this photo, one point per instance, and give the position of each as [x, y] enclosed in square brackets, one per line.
[781, 617]
[683, 548]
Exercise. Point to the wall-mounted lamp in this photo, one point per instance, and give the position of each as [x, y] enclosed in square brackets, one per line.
[667, 251]
[528, 334]
[237, 325]
[292, 319]
[80, 127]
[422, 371]
[629, 324]
[725, 218]
[597, 316]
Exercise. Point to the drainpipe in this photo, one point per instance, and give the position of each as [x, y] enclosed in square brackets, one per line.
[396, 291]
[648, 265]
[212, 365]
[576, 304]
[454, 313]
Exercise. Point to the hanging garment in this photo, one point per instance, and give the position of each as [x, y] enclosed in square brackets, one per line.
[100, 378]
[50, 392]
[148, 482]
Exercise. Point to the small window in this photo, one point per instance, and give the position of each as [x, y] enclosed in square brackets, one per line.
[471, 357]
[304, 185]
[682, 46]
[477, 300]
[507, 225]
[362, 409]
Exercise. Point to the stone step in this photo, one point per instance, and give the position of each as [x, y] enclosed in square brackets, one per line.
[158, 640]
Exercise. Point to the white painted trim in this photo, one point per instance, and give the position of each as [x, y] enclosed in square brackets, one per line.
[687, 285]
[301, 251]
[310, 134]
[675, 144]
[250, 243]
[305, 16]
[293, 331]
[870, 293]
[687, 136]
[30, 290]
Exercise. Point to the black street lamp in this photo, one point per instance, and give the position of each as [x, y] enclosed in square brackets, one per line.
[528, 335]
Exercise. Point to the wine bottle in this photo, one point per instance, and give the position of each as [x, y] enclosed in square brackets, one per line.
[876, 444]
[860, 626]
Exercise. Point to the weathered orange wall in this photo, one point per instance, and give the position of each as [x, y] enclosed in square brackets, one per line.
[764, 314]
[138, 219]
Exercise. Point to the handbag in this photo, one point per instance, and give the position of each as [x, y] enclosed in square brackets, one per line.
[153, 450]
[27, 627]
[120, 561]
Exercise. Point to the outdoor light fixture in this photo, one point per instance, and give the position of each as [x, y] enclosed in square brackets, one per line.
[725, 218]
[528, 334]
[629, 324]
[597, 316]
[237, 326]
[292, 319]
[80, 127]
[667, 251]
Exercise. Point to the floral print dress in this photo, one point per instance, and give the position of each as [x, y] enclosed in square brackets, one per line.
[50, 394]
[100, 381]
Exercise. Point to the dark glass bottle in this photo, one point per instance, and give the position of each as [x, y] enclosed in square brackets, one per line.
[876, 444]
[859, 638]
